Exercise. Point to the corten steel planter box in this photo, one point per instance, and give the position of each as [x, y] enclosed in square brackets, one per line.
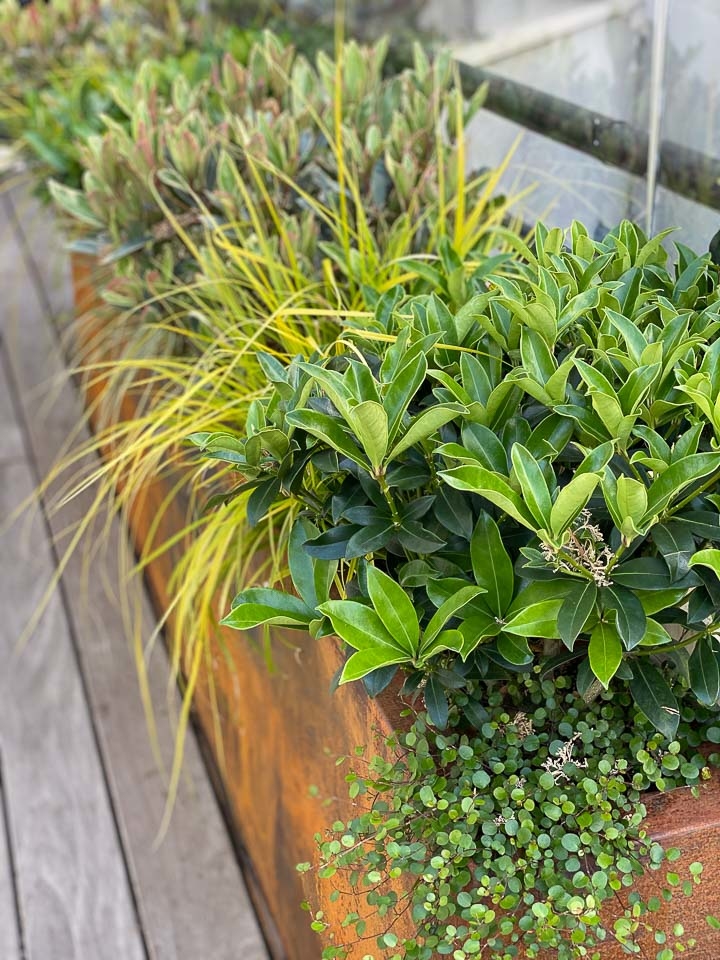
[274, 738]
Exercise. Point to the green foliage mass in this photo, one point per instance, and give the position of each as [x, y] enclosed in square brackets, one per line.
[69, 68]
[528, 468]
[508, 490]
[520, 835]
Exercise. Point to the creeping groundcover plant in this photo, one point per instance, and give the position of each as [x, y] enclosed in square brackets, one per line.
[507, 507]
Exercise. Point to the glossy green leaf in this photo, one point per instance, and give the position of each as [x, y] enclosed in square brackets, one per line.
[670, 484]
[364, 662]
[395, 609]
[575, 610]
[360, 627]
[656, 600]
[533, 485]
[655, 634]
[424, 426]
[328, 430]
[479, 626]
[514, 649]
[403, 387]
[634, 339]
[261, 605]
[494, 488]
[445, 640]
[447, 610]
[707, 558]
[597, 458]
[654, 698]
[705, 671]
[571, 500]
[605, 652]
[536, 620]
[369, 423]
[629, 614]
[631, 500]
[492, 566]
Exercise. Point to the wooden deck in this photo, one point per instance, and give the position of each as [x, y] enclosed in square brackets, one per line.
[81, 793]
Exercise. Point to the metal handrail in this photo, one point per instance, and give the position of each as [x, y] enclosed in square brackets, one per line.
[687, 172]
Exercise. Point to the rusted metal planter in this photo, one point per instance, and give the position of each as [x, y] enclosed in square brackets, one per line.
[273, 738]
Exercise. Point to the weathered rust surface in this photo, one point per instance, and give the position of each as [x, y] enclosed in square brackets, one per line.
[275, 736]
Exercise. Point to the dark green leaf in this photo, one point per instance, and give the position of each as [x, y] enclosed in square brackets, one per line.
[261, 499]
[453, 511]
[312, 577]
[368, 539]
[643, 573]
[629, 614]
[654, 698]
[514, 649]
[575, 610]
[414, 537]
[379, 679]
[705, 672]
[436, 703]
[676, 546]
[332, 544]
[492, 565]
[703, 523]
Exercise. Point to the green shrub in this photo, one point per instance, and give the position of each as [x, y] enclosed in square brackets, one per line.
[531, 470]
[509, 491]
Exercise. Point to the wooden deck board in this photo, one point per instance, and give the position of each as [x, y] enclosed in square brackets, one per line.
[190, 893]
[9, 920]
[72, 884]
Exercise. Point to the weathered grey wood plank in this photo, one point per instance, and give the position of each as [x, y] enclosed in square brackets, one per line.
[9, 929]
[190, 892]
[45, 252]
[71, 878]
[11, 441]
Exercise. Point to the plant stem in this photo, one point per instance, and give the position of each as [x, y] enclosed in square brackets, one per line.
[385, 490]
